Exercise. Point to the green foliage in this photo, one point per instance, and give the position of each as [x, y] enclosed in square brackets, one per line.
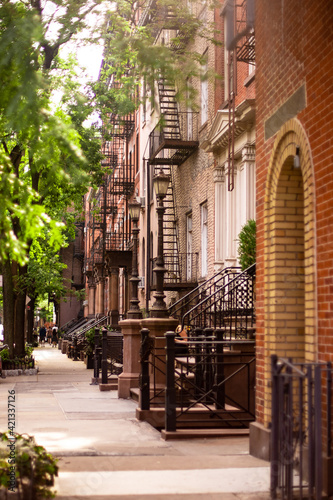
[247, 244]
[34, 468]
[133, 53]
[90, 336]
[28, 350]
[27, 358]
[4, 354]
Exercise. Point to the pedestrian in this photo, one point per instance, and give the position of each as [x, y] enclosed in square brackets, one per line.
[42, 334]
[35, 337]
[55, 336]
[49, 335]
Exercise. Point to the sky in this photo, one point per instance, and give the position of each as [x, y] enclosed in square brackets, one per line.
[89, 57]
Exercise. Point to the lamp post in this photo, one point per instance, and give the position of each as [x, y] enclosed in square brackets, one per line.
[134, 311]
[159, 310]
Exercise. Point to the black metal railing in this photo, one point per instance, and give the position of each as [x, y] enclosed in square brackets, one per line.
[202, 291]
[202, 381]
[171, 145]
[229, 306]
[301, 429]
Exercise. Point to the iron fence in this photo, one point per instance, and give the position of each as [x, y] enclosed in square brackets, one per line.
[301, 427]
[202, 381]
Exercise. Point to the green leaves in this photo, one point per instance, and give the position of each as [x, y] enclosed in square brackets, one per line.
[247, 244]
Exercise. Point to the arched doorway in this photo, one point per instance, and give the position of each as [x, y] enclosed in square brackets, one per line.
[290, 302]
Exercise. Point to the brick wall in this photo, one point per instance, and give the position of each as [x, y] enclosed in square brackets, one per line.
[294, 48]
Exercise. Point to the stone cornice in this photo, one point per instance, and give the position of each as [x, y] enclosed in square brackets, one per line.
[217, 137]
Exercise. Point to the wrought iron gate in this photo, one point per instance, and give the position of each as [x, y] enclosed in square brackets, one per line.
[300, 393]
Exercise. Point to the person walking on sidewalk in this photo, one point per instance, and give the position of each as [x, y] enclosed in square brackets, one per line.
[42, 334]
[49, 335]
[54, 336]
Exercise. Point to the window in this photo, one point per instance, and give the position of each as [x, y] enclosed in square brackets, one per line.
[204, 91]
[189, 112]
[204, 240]
[189, 247]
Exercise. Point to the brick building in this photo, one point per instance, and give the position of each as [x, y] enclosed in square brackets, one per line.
[294, 120]
[212, 188]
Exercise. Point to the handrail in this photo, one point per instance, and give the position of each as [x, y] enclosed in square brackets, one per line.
[93, 325]
[242, 276]
[79, 324]
[202, 286]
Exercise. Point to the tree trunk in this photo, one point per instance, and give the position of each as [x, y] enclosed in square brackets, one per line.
[30, 325]
[13, 308]
[8, 306]
[19, 333]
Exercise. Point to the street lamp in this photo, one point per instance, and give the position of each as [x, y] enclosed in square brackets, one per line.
[134, 311]
[159, 310]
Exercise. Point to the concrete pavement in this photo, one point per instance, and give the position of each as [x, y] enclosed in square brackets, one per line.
[106, 453]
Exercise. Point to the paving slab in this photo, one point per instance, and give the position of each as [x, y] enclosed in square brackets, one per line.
[104, 452]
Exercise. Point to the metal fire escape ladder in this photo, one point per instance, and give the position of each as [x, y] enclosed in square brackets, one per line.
[169, 110]
[240, 44]
[232, 79]
[171, 130]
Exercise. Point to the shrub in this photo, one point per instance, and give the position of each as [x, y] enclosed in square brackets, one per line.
[4, 354]
[28, 465]
[90, 336]
[247, 244]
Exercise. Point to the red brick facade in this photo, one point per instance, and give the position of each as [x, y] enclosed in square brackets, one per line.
[294, 50]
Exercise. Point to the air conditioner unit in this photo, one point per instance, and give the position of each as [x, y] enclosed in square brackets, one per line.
[141, 283]
[142, 201]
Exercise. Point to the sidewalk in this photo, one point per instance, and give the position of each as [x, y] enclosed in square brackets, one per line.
[105, 453]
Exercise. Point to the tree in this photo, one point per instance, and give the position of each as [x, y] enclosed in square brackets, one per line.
[132, 55]
[42, 163]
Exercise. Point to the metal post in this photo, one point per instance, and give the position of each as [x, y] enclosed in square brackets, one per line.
[208, 368]
[159, 309]
[134, 311]
[311, 463]
[96, 356]
[219, 372]
[170, 392]
[75, 358]
[288, 460]
[274, 429]
[198, 336]
[144, 375]
[329, 409]
[104, 356]
[318, 432]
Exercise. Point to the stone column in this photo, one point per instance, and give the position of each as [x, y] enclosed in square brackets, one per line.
[113, 304]
[220, 214]
[91, 297]
[129, 378]
[131, 330]
[101, 296]
[157, 328]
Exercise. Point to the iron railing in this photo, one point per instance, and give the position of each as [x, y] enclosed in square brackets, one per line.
[230, 306]
[301, 429]
[172, 146]
[206, 289]
[200, 382]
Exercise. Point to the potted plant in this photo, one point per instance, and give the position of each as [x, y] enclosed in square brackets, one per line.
[89, 348]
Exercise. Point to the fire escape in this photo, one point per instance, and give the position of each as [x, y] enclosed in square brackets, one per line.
[240, 43]
[108, 223]
[171, 143]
